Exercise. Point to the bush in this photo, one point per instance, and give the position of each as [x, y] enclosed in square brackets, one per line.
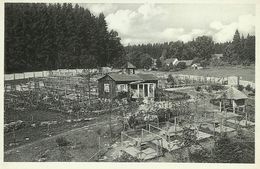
[204, 63]
[240, 87]
[209, 89]
[198, 88]
[249, 88]
[122, 95]
[217, 87]
[62, 141]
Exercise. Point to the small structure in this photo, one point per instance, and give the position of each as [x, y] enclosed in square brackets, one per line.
[232, 99]
[135, 85]
[171, 61]
[196, 66]
[128, 68]
[188, 63]
[216, 56]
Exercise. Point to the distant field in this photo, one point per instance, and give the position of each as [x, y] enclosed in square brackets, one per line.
[246, 72]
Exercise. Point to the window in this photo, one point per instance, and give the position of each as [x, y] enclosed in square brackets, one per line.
[106, 87]
[121, 87]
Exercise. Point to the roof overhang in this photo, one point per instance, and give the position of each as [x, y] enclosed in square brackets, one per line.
[136, 82]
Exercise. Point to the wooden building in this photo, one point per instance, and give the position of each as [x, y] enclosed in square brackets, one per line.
[136, 85]
[232, 100]
[128, 68]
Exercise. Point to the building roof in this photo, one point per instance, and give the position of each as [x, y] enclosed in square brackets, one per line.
[233, 94]
[170, 60]
[130, 77]
[128, 65]
[146, 77]
[217, 55]
[187, 62]
[196, 64]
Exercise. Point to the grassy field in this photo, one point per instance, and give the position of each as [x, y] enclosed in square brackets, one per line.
[246, 72]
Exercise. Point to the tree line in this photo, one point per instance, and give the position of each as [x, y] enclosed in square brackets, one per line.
[54, 36]
[241, 50]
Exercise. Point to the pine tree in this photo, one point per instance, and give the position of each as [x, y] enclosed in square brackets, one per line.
[50, 36]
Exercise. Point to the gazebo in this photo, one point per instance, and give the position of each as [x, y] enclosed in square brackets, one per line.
[232, 99]
[128, 68]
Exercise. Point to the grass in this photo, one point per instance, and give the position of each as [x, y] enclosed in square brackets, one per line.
[246, 72]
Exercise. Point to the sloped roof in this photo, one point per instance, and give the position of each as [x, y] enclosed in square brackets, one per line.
[187, 62]
[130, 77]
[232, 93]
[128, 65]
[198, 64]
[217, 55]
[124, 77]
[170, 60]
[147, 77]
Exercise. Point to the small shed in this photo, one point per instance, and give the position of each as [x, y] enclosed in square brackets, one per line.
[217, 56]
[196, 66]
[188, 63]
[135, 85]
[232, 99]
[170, 61]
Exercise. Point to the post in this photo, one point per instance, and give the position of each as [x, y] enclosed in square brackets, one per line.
[143, 90]
[233, 104]
[246, 119]
[148, 88]
[138, 90]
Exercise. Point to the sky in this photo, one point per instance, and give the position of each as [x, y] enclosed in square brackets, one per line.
[158, 23]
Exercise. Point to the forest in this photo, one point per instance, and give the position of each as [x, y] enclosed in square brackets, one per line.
[241, 50]
[52, 36]
[55, 36]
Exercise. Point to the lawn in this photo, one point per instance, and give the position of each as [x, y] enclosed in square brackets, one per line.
[246, 72]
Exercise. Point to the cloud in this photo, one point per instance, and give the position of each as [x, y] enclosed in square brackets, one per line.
[155, 23]
[216, 25]
[245, 25]
[140, 25]
[194, 33]
[226, 33]
[105, 8]
[171, 34]
[122, 20]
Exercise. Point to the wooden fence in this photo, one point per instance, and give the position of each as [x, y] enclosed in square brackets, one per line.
[59, 72]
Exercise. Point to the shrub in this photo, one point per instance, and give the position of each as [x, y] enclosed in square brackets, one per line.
[249, 88]
[209, 89]
[198, 88]
[217, 87]
[62, 141]
[204, 63]
[122, 95]
[240, 87]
